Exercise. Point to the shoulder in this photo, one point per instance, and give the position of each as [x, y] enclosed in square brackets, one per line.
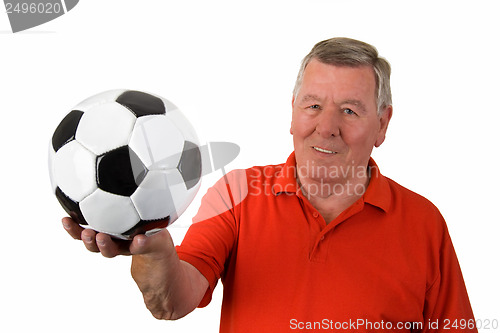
[237, 184]
[261, 174]
[265, 173]
[403, 194]
[417, 209]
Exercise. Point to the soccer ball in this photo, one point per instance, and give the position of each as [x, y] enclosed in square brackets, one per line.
[125, 162]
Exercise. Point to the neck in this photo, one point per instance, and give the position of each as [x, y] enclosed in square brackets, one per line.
[334, 188]
[332, 196]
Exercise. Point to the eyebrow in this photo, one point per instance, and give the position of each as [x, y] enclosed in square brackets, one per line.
[310, 97]
[316, 98]
[355, 102]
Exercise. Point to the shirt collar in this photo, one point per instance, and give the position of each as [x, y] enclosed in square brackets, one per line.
[377, 194]
[286, 179]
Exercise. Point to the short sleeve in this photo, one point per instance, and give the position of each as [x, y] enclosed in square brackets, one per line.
[210, 239]
[447, 306]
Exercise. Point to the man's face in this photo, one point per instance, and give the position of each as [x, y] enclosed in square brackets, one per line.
[335, 124]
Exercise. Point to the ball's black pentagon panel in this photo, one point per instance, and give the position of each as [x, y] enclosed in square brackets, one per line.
[190, 164]
[71, 207]
[114, 171]
[65, 131]
[143, 226]
[141, 103]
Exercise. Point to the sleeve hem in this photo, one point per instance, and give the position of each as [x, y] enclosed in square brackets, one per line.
[205, 270]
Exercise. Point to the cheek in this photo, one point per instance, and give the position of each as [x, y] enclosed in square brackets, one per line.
[359, 137]
[301, 126]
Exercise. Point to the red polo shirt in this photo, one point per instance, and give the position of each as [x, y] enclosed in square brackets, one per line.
[385, 264]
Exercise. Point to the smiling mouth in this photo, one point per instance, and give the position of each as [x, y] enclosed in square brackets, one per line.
[322, 150]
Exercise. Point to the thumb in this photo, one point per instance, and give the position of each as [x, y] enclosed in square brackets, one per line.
[159, 244]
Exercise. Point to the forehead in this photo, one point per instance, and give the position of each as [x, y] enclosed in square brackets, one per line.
[342, 81]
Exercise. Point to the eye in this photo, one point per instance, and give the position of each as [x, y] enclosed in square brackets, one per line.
[314, 106]
[348, 111]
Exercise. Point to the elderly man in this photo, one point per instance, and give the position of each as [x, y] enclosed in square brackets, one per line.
[323, 241]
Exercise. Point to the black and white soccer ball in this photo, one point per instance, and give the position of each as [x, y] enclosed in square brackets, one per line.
[125, 162]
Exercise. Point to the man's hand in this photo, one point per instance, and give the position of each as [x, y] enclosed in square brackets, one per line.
[171, 288]
[98, 242]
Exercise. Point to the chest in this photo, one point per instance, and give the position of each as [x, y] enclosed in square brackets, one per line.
[330, 209]
[360, 263]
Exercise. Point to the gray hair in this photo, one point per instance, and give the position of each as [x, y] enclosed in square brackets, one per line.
[352, 53]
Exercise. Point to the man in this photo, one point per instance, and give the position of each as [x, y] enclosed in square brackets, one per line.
[323, 241]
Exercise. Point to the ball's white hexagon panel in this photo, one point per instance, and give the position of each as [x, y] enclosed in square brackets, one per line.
[188, 198]
[105, 127]
[52, 174]
[181, 195]
[157, 142]
[109, 213]
[101, 98]
[73, 170]
[183, 125]
[153, 198]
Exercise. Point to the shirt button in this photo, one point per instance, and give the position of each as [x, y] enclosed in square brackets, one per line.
[322, 237]
[315, 214]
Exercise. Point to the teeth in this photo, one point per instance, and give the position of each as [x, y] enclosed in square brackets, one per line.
[324, 150]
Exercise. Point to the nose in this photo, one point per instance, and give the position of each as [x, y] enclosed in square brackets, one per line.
[328, 123]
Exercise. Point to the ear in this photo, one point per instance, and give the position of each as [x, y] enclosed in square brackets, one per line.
[291, 124]
[384, 119]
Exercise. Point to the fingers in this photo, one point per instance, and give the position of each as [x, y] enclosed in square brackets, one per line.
[78, 232]
[158, 245]
[110, 247]
[88, 237]
[73, 228]
[96, 242]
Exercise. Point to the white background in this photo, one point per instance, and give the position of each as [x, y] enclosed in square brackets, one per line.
[230, 66]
